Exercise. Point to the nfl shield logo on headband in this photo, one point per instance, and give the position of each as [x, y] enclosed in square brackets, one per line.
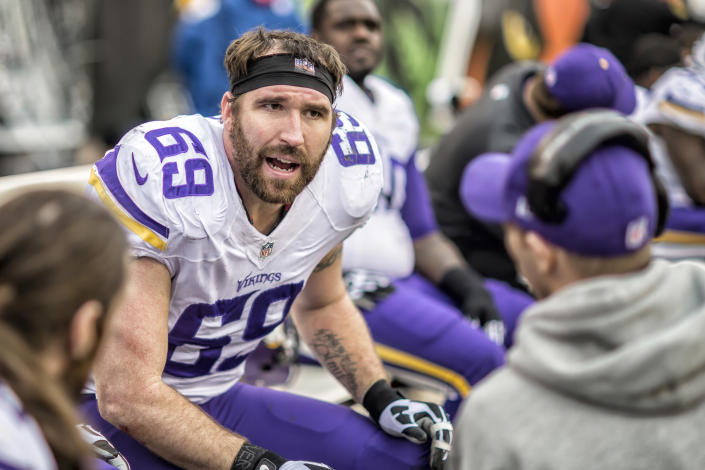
[304, 65]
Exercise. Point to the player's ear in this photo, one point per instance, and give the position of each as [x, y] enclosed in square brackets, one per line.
[543, 252]
[226, 105]
[83, 332]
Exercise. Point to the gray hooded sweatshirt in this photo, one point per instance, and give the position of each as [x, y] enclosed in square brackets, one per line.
[608, 373]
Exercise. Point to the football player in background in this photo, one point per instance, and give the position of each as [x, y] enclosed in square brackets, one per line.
[675, 113]
[410, 281]
[235, 221]
[62, 264]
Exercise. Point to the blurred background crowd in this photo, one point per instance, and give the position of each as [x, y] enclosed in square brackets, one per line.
[75, 75]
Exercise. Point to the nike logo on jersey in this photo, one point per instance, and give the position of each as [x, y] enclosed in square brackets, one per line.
[140, 179]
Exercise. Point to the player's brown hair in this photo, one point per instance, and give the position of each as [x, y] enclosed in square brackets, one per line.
[260, 42]
[58, 250]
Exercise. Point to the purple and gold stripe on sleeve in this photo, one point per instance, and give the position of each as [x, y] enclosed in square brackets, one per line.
[104, 179]
[671, 105]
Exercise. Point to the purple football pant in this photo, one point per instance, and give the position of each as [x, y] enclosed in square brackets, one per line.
[418, 329]
[296, 427]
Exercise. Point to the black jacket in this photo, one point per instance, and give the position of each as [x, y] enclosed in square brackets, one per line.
[493, 124]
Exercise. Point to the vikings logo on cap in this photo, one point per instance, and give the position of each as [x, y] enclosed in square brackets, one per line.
[266, 249]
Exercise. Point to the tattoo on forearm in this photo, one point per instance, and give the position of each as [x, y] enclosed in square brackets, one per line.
[328, 260]
[335, 358]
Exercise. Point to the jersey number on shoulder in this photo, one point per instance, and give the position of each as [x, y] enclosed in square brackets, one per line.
[170, 142]
[187, 330]
[355, 148]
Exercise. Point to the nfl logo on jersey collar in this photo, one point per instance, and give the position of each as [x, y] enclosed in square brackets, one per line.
[266, 249]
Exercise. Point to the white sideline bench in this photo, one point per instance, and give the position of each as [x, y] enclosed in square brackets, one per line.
[74, 178]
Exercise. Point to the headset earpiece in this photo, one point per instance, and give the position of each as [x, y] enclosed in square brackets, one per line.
[568, 144]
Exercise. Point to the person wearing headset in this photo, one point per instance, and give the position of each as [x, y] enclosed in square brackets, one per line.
[608, 366]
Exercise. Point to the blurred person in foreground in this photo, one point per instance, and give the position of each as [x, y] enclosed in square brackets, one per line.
[519, 96]
[412, 285]
[608, 368]
[62, 263]
[235, 221]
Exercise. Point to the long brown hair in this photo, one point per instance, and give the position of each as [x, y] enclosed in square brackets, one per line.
[58, 250]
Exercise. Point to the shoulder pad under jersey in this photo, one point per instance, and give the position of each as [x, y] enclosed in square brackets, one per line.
[164, 180]
[350, 178]
[678, 99]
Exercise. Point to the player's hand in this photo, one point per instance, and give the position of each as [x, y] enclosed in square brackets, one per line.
[301, 465]
[416, 421]
[466, 288]
[103, 448]
[480, 309]
[254, 457]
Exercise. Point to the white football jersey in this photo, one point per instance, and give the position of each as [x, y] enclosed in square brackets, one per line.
[171, 185]
[384, 244]
[22, 444]
[678, 99]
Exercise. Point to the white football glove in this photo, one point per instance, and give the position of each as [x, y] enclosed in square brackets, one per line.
[413, 420]
[301, 465]
[102, 447]
[416, 421]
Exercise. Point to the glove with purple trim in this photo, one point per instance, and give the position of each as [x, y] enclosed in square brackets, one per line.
[301, 465]
[414, 420]
[103, 448]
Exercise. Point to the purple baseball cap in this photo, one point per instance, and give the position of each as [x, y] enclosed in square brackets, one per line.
[610, 199]
[587, 76]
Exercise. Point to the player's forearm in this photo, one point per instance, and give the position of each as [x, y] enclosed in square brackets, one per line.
[339, 337]
[172, 427]
[435, 255]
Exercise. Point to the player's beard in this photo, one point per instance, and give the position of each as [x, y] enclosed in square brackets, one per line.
[249, 162]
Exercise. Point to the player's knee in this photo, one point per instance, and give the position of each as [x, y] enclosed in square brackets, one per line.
[391, 453]
[481, 358]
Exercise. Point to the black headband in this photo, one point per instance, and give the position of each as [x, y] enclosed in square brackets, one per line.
[284, 69]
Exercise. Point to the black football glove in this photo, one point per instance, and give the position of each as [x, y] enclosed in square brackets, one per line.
[479, 308]
[416, 421]
[253, 457]
[467, 289]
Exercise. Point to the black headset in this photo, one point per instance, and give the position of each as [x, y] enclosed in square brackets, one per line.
[561, 151]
